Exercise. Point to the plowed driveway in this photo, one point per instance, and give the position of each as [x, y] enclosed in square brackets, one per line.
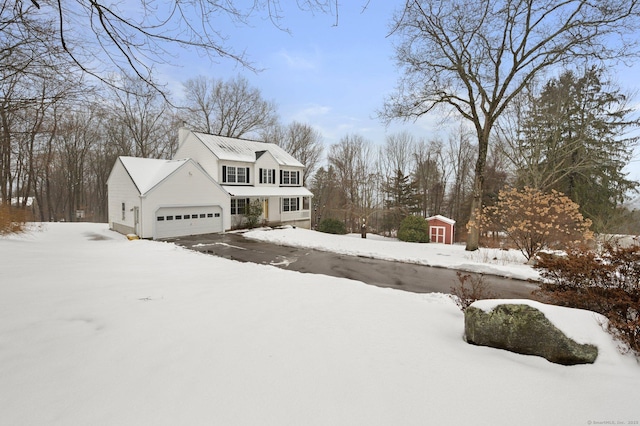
[381, 273]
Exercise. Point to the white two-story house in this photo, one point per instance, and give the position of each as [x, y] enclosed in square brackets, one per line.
[207, 188]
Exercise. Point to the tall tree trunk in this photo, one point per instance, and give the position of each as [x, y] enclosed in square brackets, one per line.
[473, 236]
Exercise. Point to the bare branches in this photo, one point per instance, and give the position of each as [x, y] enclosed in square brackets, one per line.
[228, 108]
[101, 38]
[476, 56]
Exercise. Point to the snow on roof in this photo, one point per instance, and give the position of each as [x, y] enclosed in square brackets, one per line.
[244, 150]
[267, 191]
[148, 172]
[442, 218]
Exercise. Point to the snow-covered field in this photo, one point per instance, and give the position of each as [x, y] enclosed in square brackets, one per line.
[99, 330]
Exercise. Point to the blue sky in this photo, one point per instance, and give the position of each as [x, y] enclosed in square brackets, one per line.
[333, 78]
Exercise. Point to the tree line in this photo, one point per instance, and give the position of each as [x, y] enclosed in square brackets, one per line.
[70, 104]
[60, 137]
[569, 135]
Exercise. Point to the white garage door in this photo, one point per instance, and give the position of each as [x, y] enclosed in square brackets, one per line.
[179, 221]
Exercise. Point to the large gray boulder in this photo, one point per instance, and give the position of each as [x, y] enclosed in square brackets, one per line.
[525, 330]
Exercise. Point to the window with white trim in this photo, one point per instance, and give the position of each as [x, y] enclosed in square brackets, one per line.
[289, 177]
[239, 205]
[232, 174]
[267, 176]
[290, 204]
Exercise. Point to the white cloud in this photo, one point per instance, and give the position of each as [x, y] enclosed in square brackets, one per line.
[310, 113]
[299, 61]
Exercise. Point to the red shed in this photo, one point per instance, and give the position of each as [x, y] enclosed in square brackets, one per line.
[441, 229]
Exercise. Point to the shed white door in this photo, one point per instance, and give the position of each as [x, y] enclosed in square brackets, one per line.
[437, 234]
[179, 221]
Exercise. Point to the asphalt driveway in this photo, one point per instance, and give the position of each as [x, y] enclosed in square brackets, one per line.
[381, 273]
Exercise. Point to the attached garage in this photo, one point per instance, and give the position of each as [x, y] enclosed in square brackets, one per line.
[139, 189]
[189, 220]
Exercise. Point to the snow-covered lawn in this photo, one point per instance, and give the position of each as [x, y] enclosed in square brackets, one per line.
[99, 330]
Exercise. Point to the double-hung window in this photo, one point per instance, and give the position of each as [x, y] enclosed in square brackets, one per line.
[290, 204]
[230, 176]
[267, 176]
[233, 174]
[241, 175]
[239, 205]
[289, 177]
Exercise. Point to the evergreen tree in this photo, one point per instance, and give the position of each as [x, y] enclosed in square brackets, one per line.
[328, 199]
[574, 131]
[430, 184]
[400, 199]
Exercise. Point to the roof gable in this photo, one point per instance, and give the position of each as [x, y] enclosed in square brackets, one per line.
[146, 173]
[243, 150]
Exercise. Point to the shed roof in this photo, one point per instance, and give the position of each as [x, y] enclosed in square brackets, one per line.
[442, 218]
[233, 149]
[146, 173]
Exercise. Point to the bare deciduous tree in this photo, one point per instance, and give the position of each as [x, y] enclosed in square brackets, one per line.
[228, 108]
[354, 164]
[431, 176]
[397, 154]
[477, 56]
[146, 116]
[104, 37]
[461, 154]
[300, 140]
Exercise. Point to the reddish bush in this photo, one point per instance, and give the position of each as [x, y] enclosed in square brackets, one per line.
[12, 220]
[605, 282]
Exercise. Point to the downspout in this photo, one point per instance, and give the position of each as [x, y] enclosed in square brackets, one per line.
[136, 218]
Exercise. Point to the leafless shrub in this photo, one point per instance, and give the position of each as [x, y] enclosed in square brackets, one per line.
[470, 288]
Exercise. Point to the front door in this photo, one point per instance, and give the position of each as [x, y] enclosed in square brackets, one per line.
[265, 209]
